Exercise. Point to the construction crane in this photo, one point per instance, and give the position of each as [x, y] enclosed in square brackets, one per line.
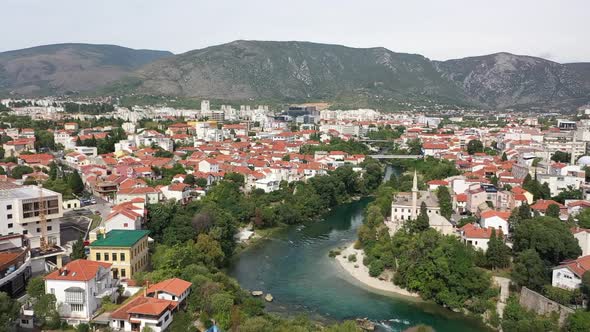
[44, 244]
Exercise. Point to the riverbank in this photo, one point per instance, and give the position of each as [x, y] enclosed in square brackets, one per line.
[360, 273]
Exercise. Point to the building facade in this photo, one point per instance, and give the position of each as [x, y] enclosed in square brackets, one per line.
[126, 250]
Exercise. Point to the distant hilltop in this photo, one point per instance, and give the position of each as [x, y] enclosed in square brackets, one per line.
[297, 72]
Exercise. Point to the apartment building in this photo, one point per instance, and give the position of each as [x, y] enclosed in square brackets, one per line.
[20, 211]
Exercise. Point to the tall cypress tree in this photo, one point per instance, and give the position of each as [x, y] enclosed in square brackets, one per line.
[75, 182]
[422, 222]
[498, 254]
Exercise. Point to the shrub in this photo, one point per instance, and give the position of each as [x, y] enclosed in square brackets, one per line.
[352, 258]
[376, 268]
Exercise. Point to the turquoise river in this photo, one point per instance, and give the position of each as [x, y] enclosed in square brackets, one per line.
[293, 265]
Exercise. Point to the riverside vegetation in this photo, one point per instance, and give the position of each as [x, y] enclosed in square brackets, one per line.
[195, 242]
[442, 269]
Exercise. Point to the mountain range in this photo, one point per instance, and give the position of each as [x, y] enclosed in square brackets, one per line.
[297, 72]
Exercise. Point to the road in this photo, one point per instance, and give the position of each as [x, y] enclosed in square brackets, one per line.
[102, 206]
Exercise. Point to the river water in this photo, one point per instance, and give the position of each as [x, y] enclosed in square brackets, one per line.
[295, 268]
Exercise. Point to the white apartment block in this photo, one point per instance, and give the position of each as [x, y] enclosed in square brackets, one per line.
[20, 210]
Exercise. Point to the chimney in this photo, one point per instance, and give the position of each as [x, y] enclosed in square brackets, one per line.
[147, 285]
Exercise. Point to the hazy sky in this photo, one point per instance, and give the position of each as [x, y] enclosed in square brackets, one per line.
[438, 29]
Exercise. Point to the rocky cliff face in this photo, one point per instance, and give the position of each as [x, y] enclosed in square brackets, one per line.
[507, 80]
[295, 70]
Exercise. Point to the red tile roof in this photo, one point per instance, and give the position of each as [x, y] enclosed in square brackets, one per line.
[78, 270]
[543, 204]
[145, 306]
[493, 213]
[172, 286]
[578, 266]
[438, 183]
[475, 232]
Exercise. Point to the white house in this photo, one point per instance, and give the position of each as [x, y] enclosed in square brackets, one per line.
[148, 194]
[476, 236]
[79, 288]
[569, 274]
[179, 192]
[123, 219]
[171, 289]
[583, 237]
[495, 219]
[209, 166]
[142, 312]
[267, 184]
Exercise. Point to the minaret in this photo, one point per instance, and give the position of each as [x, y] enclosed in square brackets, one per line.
[415, 196]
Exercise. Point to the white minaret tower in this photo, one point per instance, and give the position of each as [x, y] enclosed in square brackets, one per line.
[415, 196]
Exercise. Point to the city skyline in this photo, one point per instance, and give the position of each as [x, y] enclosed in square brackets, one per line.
[439, 31]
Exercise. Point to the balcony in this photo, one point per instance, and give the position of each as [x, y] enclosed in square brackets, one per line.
[13, 263]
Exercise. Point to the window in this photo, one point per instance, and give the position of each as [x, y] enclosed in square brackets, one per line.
[97, 256]
[125, 225]
[9, 207]
[49, 228]
[106, 256]
[9, 225]
[114, 256]
[9, 216]
[77, 307]
[52, 291]
[122, 256]
[38, 230]
[123, 273]
[25, 232]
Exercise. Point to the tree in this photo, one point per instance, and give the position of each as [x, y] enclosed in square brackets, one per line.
[570, 193]
[504, 157]
[9, 311]
[474, 146]
[422, 222]
[529, 270]
[498, 254]
[36, 287]
[75, 182]
[201, 182]
[78, 251]
[46, 311]
[44, 139]
[444, 201]
[585, 287]
[20, 170]
[415, 147]
[552, 211]
[189, 179]
[53, 170]
[579, 321]
[210, 250]
[550, 238]
[561, 157]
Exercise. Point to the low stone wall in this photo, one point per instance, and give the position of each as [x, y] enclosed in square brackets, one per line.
[542, 305]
